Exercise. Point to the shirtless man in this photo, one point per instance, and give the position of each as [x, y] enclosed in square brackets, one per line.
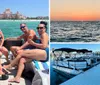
[27, 34]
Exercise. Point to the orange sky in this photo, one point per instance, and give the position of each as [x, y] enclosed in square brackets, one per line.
[75, 9]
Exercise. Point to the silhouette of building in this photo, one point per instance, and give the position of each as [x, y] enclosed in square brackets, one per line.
[7, 14]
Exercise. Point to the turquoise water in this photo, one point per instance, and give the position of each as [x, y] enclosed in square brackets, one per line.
[10, 28]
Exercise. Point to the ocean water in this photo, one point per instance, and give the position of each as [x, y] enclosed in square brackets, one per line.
[11, 28]
[57, 77]
[75, 31]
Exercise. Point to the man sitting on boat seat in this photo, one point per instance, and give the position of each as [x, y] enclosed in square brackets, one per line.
[39, 53]
[28, 34]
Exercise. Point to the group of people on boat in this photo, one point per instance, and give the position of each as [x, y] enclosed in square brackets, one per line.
[34, 48]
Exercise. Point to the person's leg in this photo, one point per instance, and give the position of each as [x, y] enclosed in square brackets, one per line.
[1, 72]
[13, 62]
[37, 54]
[20, 70]
[0, 65]
[5, 52]
[0, 56]
[13, 50]
[1, 68]
[19, 51]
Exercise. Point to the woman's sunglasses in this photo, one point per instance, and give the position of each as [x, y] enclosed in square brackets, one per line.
[40, 27]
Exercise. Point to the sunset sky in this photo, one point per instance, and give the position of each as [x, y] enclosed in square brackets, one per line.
[75, 10]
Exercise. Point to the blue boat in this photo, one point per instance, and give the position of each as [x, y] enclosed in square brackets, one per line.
[74, 61]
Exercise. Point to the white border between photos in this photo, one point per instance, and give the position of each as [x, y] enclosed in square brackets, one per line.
[74, 42]
[49, 44]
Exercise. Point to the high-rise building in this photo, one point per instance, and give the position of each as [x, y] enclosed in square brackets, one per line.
[7, 14]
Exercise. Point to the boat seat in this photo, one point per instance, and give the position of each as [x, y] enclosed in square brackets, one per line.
[41, 73]
[41, 65]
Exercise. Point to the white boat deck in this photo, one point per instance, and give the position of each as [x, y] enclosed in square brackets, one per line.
[13, 73]
[67, 70]
[90, 77]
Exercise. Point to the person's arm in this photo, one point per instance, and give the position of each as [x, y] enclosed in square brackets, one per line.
[20, 37]
[24, 45]
[37, 38]
[32, 34]
[2, 41]
[15, 38]
[43, 44]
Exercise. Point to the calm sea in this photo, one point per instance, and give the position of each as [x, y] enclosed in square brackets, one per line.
[75, 31]
[57, 77]
[11, 28]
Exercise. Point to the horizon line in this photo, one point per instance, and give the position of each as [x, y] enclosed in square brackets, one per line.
[74, 20]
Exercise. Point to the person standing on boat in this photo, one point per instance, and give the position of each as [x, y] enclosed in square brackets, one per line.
[28, 34]
[39, 53]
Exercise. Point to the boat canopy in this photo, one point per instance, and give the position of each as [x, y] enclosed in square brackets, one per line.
[68, 50]
[83, 50]
[65, 49]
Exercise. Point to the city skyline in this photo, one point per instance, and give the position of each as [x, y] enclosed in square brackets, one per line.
[29, 8]
[8, 14]
[75, 10]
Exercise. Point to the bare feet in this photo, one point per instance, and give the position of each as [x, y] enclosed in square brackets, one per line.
[16, 80]
[7, 67]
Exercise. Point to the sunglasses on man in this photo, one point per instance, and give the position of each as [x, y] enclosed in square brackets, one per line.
[22, 27]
